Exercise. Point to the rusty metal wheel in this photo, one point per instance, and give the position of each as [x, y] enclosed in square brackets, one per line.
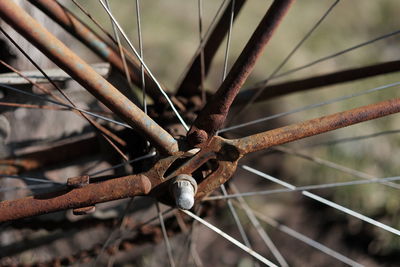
[104, 158]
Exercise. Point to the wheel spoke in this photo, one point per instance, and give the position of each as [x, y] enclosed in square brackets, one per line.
[308, 107]
[230, 239]
[145, 66]
[281, 89]
[328, 202]
[140, 38]
[166, 238]
[228, 41]
[93, 41]
[316, 126]
[295, 234]
[65, 105]
[333, 165]
[213, 115]
[302, 188]
[352, 139]
[236, 218]
[287, 58]
[29, 187]
[261, 232]
[379, 38]
[30, 179]
[116, 166]
[211, 41]
[121, 51]
[104, 132]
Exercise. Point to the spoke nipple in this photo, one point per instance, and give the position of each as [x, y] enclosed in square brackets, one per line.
[184, 188]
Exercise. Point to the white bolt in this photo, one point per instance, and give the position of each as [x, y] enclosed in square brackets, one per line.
[184, 188]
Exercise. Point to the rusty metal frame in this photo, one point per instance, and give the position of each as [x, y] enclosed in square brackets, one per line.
[227, 152]
[154, 182]
[212, 117]
[72, 64]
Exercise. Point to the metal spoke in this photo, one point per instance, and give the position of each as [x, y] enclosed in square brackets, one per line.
[228, 41]
[213, 115]
[295, 234]
[120, 49]
[230, 239]
[236, 218]
[286, 59]
[202, 61]
[262, 233]
[30, 179]
[213, 38]
[144, 65]
[332, 165]
[308, 107]
[140, 38]
[147, 156]
[165, 235]
[189, 247]
[328, 203]
[302, 188]
[28, 187]
[84, 11]
[382, 37]
[117, 231]
[66, 106]
[352, 139]
[319, 81]
[104, 132]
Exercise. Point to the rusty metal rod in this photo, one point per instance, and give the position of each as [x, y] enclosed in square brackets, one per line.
[212, 117]
[333, 78]
[97, 44]
[190, 84]
[86, 76]
[316, 126]
[88, 195]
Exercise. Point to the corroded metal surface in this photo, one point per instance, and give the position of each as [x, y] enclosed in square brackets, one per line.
[316, 126]
[220, 156]
[86, 76]
[117, 188]
[342, 76]
[214, 113]
[83, 33]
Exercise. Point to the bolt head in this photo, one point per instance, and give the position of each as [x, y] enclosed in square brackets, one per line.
[184, 189]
